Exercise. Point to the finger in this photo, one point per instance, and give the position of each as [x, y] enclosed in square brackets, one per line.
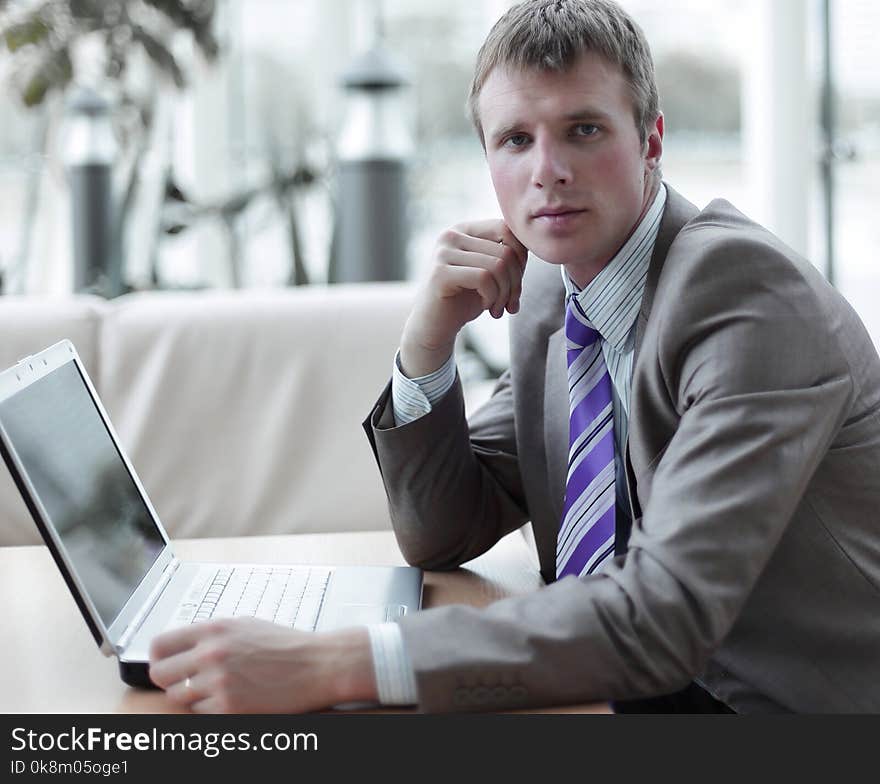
[508, 249]
[492, 261]
[510, 268]
[479, 280]
[208, 705]
[494, 238]
[510, 239]
[522, 253]
[166, 672]
[500, 270]
[505, 247]
[514, 269]
[455, 258]
[178, 640]
[495, 230]
[187, 691]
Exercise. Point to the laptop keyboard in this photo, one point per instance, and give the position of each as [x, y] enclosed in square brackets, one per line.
[290, 596]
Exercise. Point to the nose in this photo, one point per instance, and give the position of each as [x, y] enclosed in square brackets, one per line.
[551, 168]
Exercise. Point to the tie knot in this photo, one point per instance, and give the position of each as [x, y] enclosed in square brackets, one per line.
[579, 332]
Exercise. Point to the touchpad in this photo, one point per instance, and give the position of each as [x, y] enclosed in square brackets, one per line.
[356, 614]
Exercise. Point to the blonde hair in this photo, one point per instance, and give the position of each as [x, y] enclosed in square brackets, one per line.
[552, 34]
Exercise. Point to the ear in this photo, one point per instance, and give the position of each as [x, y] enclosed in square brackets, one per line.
[654, 144]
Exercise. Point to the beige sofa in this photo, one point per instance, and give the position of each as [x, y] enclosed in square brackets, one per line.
[240, 411]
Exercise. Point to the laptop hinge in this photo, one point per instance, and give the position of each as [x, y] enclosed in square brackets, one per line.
[146, 608]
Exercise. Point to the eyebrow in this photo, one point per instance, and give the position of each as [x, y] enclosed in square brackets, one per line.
[580, 115]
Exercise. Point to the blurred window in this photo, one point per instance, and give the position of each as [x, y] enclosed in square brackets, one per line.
[856, 94]
[273, 104]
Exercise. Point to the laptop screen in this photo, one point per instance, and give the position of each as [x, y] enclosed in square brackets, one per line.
[81, 480]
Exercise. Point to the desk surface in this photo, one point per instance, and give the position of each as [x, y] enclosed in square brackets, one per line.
[49, 662]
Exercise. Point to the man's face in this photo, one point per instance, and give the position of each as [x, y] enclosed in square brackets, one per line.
[570, 173]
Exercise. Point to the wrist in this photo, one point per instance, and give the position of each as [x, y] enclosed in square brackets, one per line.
[427, 342]
[350, 669]
[417, 359]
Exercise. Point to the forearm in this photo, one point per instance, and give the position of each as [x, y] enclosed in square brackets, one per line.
[452, 493]
[412, 399]
[608, 636]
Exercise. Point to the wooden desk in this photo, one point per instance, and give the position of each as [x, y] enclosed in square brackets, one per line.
[49, 662]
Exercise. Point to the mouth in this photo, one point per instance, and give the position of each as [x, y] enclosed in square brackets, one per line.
[556, 212]
[558, 218]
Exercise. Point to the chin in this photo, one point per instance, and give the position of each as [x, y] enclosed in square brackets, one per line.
[555, 253]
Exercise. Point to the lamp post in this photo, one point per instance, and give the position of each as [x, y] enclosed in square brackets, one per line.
[89, 153]
[373, 152]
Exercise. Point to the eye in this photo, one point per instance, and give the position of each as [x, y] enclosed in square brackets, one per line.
[516, 140]
[586, 129]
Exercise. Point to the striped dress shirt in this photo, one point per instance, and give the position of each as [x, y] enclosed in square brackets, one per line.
[611, 301]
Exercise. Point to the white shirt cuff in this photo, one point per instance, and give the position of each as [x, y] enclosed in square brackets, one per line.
[412, 398]
[395, 679]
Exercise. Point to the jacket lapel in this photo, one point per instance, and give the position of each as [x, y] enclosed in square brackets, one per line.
[676, 214]
[546, 526]
[556, 423]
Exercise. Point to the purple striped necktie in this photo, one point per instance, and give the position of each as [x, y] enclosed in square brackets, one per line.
[586, 534]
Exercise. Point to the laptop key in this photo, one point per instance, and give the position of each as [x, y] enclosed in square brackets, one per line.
[288, 596]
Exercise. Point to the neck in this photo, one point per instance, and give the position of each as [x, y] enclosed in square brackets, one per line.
[584, 278]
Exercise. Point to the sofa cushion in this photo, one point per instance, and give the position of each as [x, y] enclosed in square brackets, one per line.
[241, 411]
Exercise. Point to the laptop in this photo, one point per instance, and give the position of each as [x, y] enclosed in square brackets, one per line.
[112, 550]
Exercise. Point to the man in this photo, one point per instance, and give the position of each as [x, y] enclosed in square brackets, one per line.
[691, 422]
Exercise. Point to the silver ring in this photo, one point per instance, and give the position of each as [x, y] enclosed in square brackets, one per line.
[187, 684]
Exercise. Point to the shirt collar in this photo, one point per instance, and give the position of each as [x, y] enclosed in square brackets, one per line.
[612, 299]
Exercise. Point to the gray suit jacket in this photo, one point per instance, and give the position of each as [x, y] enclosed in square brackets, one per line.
[753, 462]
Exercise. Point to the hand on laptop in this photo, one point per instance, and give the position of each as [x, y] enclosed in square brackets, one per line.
[242, 665]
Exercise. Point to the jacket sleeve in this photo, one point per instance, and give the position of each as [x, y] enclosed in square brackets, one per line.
[453, 489]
